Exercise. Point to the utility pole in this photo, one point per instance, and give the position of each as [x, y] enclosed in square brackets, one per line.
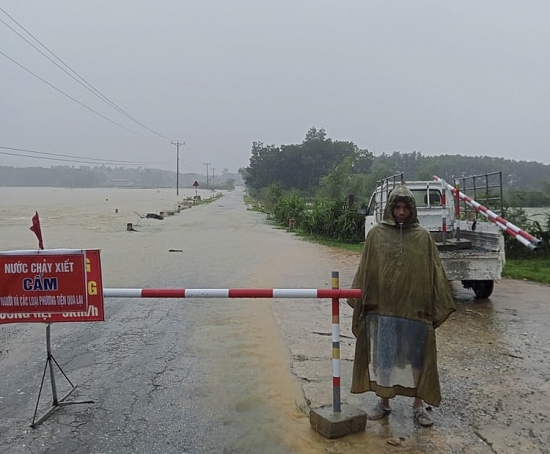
[213, 175]
[206, 164]
[177, 144]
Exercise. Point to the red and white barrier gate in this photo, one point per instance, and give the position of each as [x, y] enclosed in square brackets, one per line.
[35, 285]
[229, 293]
[335, 293]
[65, 285]
[522, 236]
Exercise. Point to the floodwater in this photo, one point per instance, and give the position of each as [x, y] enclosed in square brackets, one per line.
[238, 375]
[540, 214]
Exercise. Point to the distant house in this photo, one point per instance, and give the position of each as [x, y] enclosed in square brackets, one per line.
[120, 182]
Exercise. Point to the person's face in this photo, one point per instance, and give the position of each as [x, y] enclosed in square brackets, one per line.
[401, 212]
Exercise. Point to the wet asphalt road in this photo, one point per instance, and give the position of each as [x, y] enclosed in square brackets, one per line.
[166, 376]
[235, 376]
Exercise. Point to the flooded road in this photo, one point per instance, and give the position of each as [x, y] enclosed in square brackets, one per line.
[238, 375]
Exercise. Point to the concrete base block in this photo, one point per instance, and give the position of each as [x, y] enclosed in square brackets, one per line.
[349, 420]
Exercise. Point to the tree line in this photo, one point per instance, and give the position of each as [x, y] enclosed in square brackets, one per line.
[106, 176]
[332, 168]
[320, 183]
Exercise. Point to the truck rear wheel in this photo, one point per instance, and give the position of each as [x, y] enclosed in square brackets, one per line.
[482, 289]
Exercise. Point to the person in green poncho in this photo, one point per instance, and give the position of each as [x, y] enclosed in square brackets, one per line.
[405, 297]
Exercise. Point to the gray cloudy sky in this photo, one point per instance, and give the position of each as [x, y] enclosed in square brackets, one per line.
[468, 77]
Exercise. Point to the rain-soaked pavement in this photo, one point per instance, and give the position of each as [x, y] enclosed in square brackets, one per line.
[236, 376]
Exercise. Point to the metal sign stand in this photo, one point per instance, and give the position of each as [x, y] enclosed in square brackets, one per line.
[56, 403]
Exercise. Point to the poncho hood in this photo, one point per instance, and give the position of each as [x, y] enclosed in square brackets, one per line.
[400, 194]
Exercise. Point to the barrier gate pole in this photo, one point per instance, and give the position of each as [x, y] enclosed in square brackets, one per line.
[336, 403]
[338, 419]
[332, 421]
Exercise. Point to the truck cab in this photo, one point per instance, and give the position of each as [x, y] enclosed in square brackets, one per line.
[429, 203]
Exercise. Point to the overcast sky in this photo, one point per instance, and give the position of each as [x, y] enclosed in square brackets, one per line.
[468, 77]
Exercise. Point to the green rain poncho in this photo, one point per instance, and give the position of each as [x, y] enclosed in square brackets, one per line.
[405, 296]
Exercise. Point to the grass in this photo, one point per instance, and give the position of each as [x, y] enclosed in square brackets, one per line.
[254, 205]
[353, 247]
[535, 269]
[205, 201]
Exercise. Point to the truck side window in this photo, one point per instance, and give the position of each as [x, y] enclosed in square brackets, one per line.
[421, 197]
[371, 205]
[435, 197]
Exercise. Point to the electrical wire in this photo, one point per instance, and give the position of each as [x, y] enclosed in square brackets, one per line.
[88, 86]
[79, 79]
[64, 157]
[68, 96]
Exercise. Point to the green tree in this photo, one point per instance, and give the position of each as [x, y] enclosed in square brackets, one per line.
[336, 184]
[300, 166]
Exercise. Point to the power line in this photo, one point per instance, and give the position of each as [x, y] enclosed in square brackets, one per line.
[82, 81]
[63, 157]
[59, 159]
[68, 96]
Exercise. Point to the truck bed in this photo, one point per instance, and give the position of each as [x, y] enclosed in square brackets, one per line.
[472, 264]
[477, 255]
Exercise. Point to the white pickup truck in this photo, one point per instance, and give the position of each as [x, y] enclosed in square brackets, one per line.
[470, 246]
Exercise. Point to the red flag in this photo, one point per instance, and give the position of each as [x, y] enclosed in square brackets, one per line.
[36, 229]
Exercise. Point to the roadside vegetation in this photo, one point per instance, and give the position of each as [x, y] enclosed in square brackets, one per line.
[206, 200]
[315, 189]
[536, 269]
[521, 263]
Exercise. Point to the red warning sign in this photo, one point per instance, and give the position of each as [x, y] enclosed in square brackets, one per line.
[50, 286]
